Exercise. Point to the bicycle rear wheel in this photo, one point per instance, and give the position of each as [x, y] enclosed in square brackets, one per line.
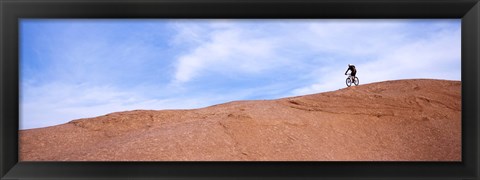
[348, 81]
[356, 82]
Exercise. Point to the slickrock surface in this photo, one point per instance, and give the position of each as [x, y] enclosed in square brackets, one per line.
[402, 120]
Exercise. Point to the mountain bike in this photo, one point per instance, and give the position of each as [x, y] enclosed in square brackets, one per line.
[351, 80]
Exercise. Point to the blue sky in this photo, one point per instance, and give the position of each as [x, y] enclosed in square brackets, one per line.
[71, 69]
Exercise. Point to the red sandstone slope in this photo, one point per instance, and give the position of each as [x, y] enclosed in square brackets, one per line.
[401, 120]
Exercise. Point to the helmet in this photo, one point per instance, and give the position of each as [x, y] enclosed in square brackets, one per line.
[350, 65]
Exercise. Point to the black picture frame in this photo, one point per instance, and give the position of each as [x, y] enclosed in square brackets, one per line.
[12, 10]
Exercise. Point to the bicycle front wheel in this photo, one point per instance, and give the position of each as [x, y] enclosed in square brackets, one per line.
[348, 81]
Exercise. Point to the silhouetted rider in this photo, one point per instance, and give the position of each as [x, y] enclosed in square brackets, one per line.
[352, 68]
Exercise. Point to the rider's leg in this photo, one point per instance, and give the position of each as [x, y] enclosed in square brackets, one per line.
[353, 76]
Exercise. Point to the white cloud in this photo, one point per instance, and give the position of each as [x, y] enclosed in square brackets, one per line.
[353, 37]
[386, 53]
[435, 57]
[228, 49]
[55, 103]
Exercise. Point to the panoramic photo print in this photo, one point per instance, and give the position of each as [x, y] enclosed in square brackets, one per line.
[240, 90]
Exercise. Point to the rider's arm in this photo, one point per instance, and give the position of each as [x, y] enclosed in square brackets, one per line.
[346, 72]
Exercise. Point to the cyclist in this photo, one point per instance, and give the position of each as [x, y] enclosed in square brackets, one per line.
[352, 68]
